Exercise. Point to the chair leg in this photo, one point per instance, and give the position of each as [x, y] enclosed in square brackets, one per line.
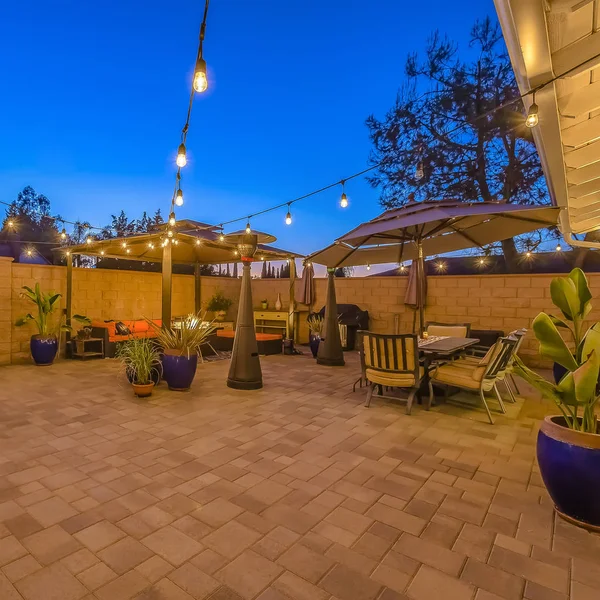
[411, 398]
[485, 404]
[369, 394]
[430, 402]
[514, 382]
[510, 392]
[500, 402]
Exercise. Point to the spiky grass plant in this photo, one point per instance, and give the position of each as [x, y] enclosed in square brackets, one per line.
[186, 339]
[141, 360]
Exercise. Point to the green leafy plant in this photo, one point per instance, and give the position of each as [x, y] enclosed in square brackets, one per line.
[187, 337]
[141, 360]
[219, 302]
[46, 306]
[315, 324]
[576, 394]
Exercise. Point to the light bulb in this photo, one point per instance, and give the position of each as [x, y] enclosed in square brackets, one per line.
[165, 243]
[344, 200]
[128, 250]
[288, 217]
[68, 253]
[482, 261]
[102, 252]
[124, 244]
[235, 252]
[150, 245]
[170, 233]
[179, 198]
[29, 252]
[172, 219]
[248, 228]
[181, 157]
[402, 268]
[441, 266]
[262, 258]
[11, 224]
[419, 172]
[197, 242]
[176, 242]
[89, 240]
[63, 234]
[200, 80]
[532, 116]
[221, 237]
[528, 254]
[368, 267]
[558, 247]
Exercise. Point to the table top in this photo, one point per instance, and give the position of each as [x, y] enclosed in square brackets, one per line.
[448, 345]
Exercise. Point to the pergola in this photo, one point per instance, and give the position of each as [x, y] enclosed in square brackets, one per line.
[192, 243]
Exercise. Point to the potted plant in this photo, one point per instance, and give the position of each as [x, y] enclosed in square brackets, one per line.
[141, 359]
[180, 347]
[568, 445]
[315, 326]
[264, 304]
[44, 344]
[219, 305]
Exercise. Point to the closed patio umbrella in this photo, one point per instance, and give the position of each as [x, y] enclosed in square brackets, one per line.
[307, 285]
[432, 227]
[412, 297]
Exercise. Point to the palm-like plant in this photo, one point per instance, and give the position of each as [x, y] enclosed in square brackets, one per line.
[46, 305]
[186, 339]
[141, 360]
[315, 324]
[576, 394]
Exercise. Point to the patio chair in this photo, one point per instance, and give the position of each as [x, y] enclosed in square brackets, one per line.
[479, 375]
[392, 361]
[448, 329]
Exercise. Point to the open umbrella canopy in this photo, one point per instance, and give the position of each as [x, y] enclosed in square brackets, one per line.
[192, 242]
[437, 226]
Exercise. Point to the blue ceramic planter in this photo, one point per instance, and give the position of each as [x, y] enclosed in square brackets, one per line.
[43, 349]
[570, 467]
[313, 342]
[179, 371]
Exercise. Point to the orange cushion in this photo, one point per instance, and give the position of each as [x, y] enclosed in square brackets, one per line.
[260, 337]
[109, 326]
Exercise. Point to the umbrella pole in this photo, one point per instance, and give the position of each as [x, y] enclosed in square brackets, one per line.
[420, 278]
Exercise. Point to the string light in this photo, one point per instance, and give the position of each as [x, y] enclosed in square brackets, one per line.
[288, 217]
[102, 252]
[198, 241]
[528, 254]
[368, 267]
[165, 243]
[440, 266]
[172, 220]
[532, 114]
[29, 252]
[221, 237]
[235, 252]
[150, 245]
[181, 157]
[124, 244]
[11, 224]
[128, 250]
[402, 268]
[176, 242]
[200, 79]
[558, 248]
[179, 197]
[63, 234]
[68, 253]
[88, 240]
[262, 258]
[248, 228]
[170, 233]
[343, 197]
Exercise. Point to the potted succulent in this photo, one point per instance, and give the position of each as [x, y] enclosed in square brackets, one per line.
[141, 359]
[264, 304]
[219, 305]
[568, 445]
[180, 347]
[315, 326]
[44, 344]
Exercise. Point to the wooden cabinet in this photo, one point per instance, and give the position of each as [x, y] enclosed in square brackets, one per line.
[271, 321]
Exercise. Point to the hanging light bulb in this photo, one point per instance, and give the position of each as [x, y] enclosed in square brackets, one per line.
[482, 261]
[235, 252]
[343, 198]
[532, 114]
[102, 252]
[221, 237]
[248, 228]
[176, 242]
[63, 234]
[179, 197]
[558, 248]
[11, 224]
[528, 254]
[128, 250]
[172, 220]
[419, 171]
[170, 233]
[29, 252]
[262, 258]
[165, 242]
[198, 241]
[181, 157]
[88, 240]
[124, 244]
[200, 80]
[440, 266]
[288, 217]
[402, 267]
[368, 267]
[150, 245]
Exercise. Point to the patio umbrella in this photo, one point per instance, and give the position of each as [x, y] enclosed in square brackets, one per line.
[235, 270]
[307, 285]
[432, 227]
[412, 297]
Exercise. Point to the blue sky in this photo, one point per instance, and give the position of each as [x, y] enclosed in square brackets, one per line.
[94, 98]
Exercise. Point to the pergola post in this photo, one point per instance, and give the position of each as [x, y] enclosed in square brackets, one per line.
[166, 285]
[69, 298]
[330, 350]
[245, 372]
[291, 309]
[197, 289]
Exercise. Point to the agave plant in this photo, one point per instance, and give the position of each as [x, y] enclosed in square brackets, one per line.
[187, 337]
[141, 360]
[576, 394]
[46, 305]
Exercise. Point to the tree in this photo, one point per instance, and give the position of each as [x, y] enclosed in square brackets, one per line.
[441, 139]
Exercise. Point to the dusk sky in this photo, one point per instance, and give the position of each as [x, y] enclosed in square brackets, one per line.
[94, 96]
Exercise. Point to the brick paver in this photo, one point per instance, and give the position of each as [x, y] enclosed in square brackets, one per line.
[293, 492]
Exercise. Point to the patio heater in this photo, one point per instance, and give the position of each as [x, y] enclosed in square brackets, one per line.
[330, 350]
[245, 372]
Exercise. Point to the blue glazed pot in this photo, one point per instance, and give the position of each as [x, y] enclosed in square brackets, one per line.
[179, 371]
[313, 342]
[570, 467]
[43, 349]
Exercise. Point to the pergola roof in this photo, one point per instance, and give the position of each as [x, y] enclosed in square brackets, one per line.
[196, 243]
[560, 38]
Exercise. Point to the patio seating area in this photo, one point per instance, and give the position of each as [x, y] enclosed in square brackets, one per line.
[293, 492]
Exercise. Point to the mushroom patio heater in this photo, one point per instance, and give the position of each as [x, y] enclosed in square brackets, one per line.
[245, 372]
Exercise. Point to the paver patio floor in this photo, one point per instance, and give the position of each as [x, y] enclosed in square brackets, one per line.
[292, 492]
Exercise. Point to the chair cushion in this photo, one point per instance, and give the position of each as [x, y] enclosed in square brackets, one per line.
[448, 330]
[260, 337]
[390, 378]
[467, 376]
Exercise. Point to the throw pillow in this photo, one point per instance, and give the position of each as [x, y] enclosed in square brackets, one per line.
[122, 329]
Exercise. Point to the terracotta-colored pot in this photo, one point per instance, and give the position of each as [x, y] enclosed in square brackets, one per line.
[143, 390]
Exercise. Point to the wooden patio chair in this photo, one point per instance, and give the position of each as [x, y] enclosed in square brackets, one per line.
[392, 361]
[480, 375]
[448, 329]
